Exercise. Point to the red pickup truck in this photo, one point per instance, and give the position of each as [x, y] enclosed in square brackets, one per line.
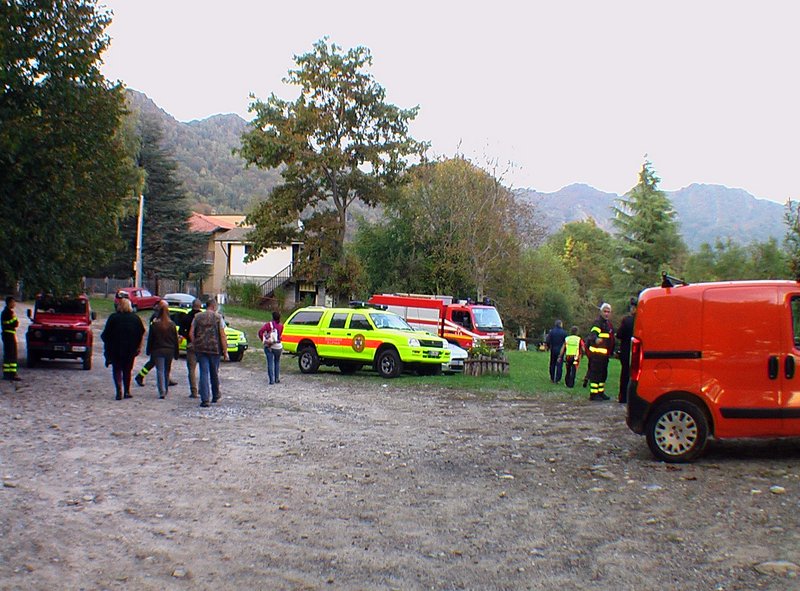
[140, 298]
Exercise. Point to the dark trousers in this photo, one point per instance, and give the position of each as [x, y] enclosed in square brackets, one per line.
[598, 373]
[121, 369]
[570, 371]
[624, 375]
[555, 367]
[9, 356]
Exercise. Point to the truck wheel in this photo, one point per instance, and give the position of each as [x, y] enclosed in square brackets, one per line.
[348, 367]
[677, 431]
[236, 356]
[87, 360]
[308, 359]
[388, 364]
[33, 359]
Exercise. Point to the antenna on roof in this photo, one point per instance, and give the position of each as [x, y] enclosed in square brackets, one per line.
[670, 281]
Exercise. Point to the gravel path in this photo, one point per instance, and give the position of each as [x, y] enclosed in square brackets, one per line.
[353, 482]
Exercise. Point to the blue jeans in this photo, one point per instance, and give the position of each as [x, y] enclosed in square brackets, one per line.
[273, 364]
[209, 373]
[163, 367]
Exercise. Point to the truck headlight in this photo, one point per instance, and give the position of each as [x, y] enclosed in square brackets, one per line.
[412, 342]
[79, 336]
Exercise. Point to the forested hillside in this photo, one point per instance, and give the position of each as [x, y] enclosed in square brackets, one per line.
[215, 179]
[705, 212]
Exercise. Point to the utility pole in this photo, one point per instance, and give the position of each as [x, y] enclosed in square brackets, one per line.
[137, 265]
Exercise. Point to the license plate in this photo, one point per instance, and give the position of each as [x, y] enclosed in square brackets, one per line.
[80, 349]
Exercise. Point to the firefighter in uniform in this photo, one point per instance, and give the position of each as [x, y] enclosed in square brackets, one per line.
[600, 347]
[10, 322]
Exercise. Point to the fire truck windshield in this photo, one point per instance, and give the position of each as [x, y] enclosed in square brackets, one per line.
[487, 319]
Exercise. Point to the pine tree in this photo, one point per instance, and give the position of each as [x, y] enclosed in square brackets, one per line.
[169, 248]
[648, 238]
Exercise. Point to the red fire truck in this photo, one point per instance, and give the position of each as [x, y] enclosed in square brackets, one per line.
[462, 322]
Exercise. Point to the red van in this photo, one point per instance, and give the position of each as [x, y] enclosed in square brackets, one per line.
[714, 359]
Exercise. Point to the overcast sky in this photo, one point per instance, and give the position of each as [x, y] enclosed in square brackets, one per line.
[564, 92]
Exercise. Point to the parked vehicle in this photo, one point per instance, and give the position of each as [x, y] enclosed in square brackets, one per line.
[61, 328]
[140, 298]
[350, 338]
[463, 322]
[180, 304]
[714, 360]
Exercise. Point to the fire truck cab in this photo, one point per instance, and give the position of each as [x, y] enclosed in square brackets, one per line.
[462, 322]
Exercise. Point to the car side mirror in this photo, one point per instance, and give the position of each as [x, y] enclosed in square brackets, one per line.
[29, 313]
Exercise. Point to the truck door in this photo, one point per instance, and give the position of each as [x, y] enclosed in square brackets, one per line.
[741, 358]
[334, 336]
[789, 367]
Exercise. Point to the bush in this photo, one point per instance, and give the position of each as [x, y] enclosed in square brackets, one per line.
[244, 293]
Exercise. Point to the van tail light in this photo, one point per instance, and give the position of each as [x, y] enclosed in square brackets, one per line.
[636, 359]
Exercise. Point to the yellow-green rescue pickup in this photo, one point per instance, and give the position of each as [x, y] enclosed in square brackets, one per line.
[363, 335]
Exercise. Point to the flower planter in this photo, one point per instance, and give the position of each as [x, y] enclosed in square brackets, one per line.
[485, 365]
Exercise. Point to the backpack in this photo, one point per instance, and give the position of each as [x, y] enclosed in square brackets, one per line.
[271, 338]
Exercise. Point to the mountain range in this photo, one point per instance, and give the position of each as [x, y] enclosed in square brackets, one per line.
[217, 181]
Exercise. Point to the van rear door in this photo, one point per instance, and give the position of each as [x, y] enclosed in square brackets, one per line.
[741, 358]
[790, 367]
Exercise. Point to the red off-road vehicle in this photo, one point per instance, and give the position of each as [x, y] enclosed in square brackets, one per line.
[61, 328]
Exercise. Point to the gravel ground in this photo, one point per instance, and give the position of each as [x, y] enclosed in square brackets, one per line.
[353, 482]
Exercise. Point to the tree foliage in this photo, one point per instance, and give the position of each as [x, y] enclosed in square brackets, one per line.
[648, 236]
[65, 168]
[169, 248]
[588, 254]
[338, 142]
[451, 229]
[728, 261]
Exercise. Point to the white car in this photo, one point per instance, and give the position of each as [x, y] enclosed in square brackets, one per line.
[457, 357]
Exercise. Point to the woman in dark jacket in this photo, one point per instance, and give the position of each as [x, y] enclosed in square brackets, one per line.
[122, 340]
[162, 346]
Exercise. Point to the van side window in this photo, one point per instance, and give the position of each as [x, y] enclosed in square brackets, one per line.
[796, 320]
[338, 320]
[307, 318]
[360, 322]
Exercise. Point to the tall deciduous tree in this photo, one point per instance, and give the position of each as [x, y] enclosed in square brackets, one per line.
[648, 237]
[338, 142]
[64, 168]
[587, 252]
[450, 231]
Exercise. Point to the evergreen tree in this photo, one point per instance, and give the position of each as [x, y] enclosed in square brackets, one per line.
[64, 169]
[648, 239]
[169, 248]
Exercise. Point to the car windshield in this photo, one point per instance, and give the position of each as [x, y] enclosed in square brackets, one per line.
[52, 305]
[487, 319]
[390, 321]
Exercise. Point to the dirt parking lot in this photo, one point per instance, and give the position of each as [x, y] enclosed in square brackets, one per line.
[353, 482]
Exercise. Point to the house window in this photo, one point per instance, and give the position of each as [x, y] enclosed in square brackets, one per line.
[247, 249]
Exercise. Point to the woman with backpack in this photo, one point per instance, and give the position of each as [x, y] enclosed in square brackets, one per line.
[270, 334]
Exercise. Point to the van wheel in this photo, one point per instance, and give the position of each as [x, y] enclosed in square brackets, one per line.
[87, 360]
[308, 360]
[388, 364]
[677, 431]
